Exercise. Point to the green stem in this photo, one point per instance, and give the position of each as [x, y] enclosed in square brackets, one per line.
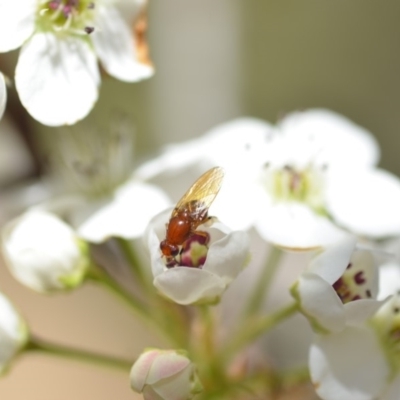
[204, 351]
[97, 275]
[57, 350]
[149, 314]
[133, 261]
[256, 327]
[264, 282]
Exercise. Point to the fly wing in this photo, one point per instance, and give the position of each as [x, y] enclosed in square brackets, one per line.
[201, 194]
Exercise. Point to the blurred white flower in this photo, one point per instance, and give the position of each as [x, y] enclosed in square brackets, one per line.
[362, 361]
[3, 94]
[57, 76]
[93, 186]
[44, 253]
[13, 333]
[125, 214]
[165, 375]
[339, 287]
[299, 183]
[203, 271]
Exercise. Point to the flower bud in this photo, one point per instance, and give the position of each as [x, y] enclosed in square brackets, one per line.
[165, 375]
[13, 333]
[44, 253]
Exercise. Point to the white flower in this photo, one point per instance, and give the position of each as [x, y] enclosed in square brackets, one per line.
[299, 183]
[13, 333]
[99, 197]
[362, 361]
[125, 214]
[165, 375]
[3, 94]
[44, 253]
[338, 288]
[204, 270]
[57, 76]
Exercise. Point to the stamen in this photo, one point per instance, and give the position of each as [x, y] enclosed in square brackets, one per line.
[359, 278]
[89, 29]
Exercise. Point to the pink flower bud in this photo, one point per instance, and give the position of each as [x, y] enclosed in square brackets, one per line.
[166, 375]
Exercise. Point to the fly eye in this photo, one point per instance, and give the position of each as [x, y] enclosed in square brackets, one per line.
[174, 250]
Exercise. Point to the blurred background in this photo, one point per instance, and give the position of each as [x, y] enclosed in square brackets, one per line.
[215, 60]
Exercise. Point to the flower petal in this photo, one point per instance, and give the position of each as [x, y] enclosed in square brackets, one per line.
[185, 285]
[332, 262]
[125, 216]
[389, 280]
[294, 226]
[116, 47]
[328, 137]
[358, 311]
[168, 364]
[3, 94]
[348, 365]
[57, 78]
[319, 301]
[141, 368]
[365, 201]
[13, 332]
[43, 252]
[17, 23]
[227, 256]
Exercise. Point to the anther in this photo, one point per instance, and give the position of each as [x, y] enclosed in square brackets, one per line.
[89, 29]
[359, 278]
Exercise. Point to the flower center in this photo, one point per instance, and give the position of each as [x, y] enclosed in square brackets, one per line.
[387, 324]
[352, 285]
[193, 252]
[289, 184]
[69, 16]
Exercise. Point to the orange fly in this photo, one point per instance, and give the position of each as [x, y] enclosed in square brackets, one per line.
[191, 211]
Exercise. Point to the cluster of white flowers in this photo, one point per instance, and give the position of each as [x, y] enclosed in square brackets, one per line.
[310, 183]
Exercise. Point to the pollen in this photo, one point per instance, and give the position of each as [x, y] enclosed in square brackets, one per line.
[66, 16]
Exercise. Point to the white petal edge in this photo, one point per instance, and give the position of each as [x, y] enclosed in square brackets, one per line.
[185, 285]
[13, 332]
[332, 262]
[365, 201]
[336, 136]
[126, 215]
[57, 79]
[294, 225]
[389, 280]
[115, 46]
[3, 94]
[319, 300]
[358, 311]
[348, 365]
[17, 22]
